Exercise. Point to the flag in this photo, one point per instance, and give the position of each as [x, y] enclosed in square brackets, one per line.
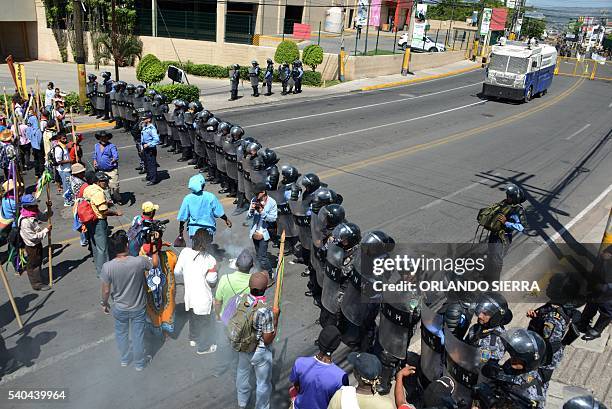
[42, 182]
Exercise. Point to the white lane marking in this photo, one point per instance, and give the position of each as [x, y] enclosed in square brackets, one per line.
[54, 359]
[336, 136]
[610, 105]
[445, 198]
[379, 126]
[577, 132]
[359, 107]
[558, 234]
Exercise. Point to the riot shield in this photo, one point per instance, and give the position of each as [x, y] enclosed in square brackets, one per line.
[463, 365]
[231, 160]
[120, 97]
[100, 97]
[147, 106]
[240, 167]
[209, 143]
[318, 255]
[138, 107]
[169, 120]
[254, 177]
[198, 144]
[282, 74]
[284, 219]
[332, 293]
[253, 77]
[432, 345]
[220, 155]
[300, 209]
[90, 92]
[189, 118]
[114, 106]
[397, 320]
[129, 106]
[231, 75]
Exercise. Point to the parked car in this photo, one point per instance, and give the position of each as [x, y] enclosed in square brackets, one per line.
[425, 44]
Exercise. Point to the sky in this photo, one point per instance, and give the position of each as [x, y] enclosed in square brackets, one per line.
[571, 3]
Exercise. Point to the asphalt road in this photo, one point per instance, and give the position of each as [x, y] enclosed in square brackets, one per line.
[416, 161]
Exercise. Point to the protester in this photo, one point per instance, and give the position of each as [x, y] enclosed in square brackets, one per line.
[400, 393]
[77, 186]
[366, 369]
[9, 205]
[263, 210]
[6, 139]
[35, 136]
[124, 278]
[200, 209]
[105, 159]
[149, 141]
[48, 127]
[233, 284]
[97, 230]
[49, 94]
[24, 145]
[62, 163]
[75, 151]
[32, 234]
[316, 379]
[199, 271]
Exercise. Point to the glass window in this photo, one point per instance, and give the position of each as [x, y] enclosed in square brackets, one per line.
[518, 65]
[498, 62]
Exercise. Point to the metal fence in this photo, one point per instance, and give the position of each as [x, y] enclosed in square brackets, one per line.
[585, 68]
[239, 28]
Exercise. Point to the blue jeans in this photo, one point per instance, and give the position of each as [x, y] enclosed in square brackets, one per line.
[259, 362]
[65, 176]
[98, 243]
[83, 238]
[261, 254]
[124, 321]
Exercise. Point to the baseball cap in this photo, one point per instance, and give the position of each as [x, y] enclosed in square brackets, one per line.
[148, 207]
[329, 339]
[368, 365]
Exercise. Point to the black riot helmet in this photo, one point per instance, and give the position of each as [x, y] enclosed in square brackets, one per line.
[584, 402]
[525, 346]
[269, 61]
[152, 93]
[290, 174]
[515, 194]
[236, 67]
[258, 163]
[268, 156]
[179, 103]
[377, 243]
[495, 306]
[456, 318]
[252, 148]
[195, 106]
[224, 128]
[120, 85]
[212, 123]
[159, 98]
[140, 90]
[324, 196]
[332, 215]
[106, 75]
[236, 132]
[91, 77]
[130, 88]
[205, 114]
[311, 182]
[347, 235]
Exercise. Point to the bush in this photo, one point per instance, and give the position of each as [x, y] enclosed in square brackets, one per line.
[312, 56]
[286, 52]
[312, 78]
[71, 100]
[188, 93]
[150, 70]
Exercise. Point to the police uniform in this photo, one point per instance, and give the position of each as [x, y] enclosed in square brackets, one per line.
[529, 385]
[488, 341]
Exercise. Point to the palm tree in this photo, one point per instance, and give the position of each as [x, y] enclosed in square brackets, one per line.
[129, 47]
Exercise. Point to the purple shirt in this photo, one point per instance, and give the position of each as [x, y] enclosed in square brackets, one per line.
[318, 382]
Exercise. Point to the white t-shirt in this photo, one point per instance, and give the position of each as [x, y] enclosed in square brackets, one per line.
[61, 154]
[49, 94]
[197, 270]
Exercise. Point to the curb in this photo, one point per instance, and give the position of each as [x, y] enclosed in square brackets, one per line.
[95, 125]
[416, 80]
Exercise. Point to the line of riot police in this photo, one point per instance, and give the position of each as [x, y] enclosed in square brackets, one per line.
[290, 78]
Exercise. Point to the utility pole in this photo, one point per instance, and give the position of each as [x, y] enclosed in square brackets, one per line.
[365, 50]
[114, 38]
[79, 58]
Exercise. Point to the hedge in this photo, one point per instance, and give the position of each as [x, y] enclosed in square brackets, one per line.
[217, 71]
[150, 70]
[71, 100]
[286, 52]
[188, 93]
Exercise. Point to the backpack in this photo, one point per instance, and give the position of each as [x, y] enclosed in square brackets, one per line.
[487, 216]
[51, 156]
[232, 304]
[4, 157]
[240, 330]
[85, 212]
[135, 238]
[15, 241]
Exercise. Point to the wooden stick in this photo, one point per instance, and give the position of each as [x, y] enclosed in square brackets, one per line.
[74, 138]
[49, 235]
[10, 296]
[6, 111]
[279, 272]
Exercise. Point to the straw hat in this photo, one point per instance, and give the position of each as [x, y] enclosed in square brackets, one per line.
[6, 135]
[9, 185]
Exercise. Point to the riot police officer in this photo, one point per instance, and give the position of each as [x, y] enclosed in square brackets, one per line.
[114, 104]
[91, 93]
[120, 98]
[341, 253]
[107, 86]
[270, 159]
[300, 208]
[493, 313]
[254, 77]
[269, 76]
[130, 118]
[230, 147]
[284, 74]
[584, 402]
[178, 129]
[519, 375]
[234, 80]
[281, 195]
[223, 130]
[209, 142]
[138, 103]
[188, 137]
[153, 102]
[199, 146]
[298, 74]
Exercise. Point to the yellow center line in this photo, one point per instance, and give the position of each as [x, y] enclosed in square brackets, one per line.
[407, 151]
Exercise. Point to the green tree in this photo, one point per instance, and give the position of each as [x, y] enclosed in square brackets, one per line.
[129, 47]
[286, 52]
[150, 70]
[533, 28]
[457, 10]
[312, 56]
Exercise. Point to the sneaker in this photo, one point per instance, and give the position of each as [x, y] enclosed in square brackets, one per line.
[66, 204]
[85, 244]
[210, 350]
[147, 361]
[42, 287]
[192, 343]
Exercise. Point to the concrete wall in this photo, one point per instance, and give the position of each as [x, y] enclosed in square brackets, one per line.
[17, 10]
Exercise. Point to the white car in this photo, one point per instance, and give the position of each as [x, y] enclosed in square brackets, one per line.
[426, 44]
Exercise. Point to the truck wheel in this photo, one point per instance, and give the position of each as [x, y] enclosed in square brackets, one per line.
[433, 50]
[528, 95]
[544, 92]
